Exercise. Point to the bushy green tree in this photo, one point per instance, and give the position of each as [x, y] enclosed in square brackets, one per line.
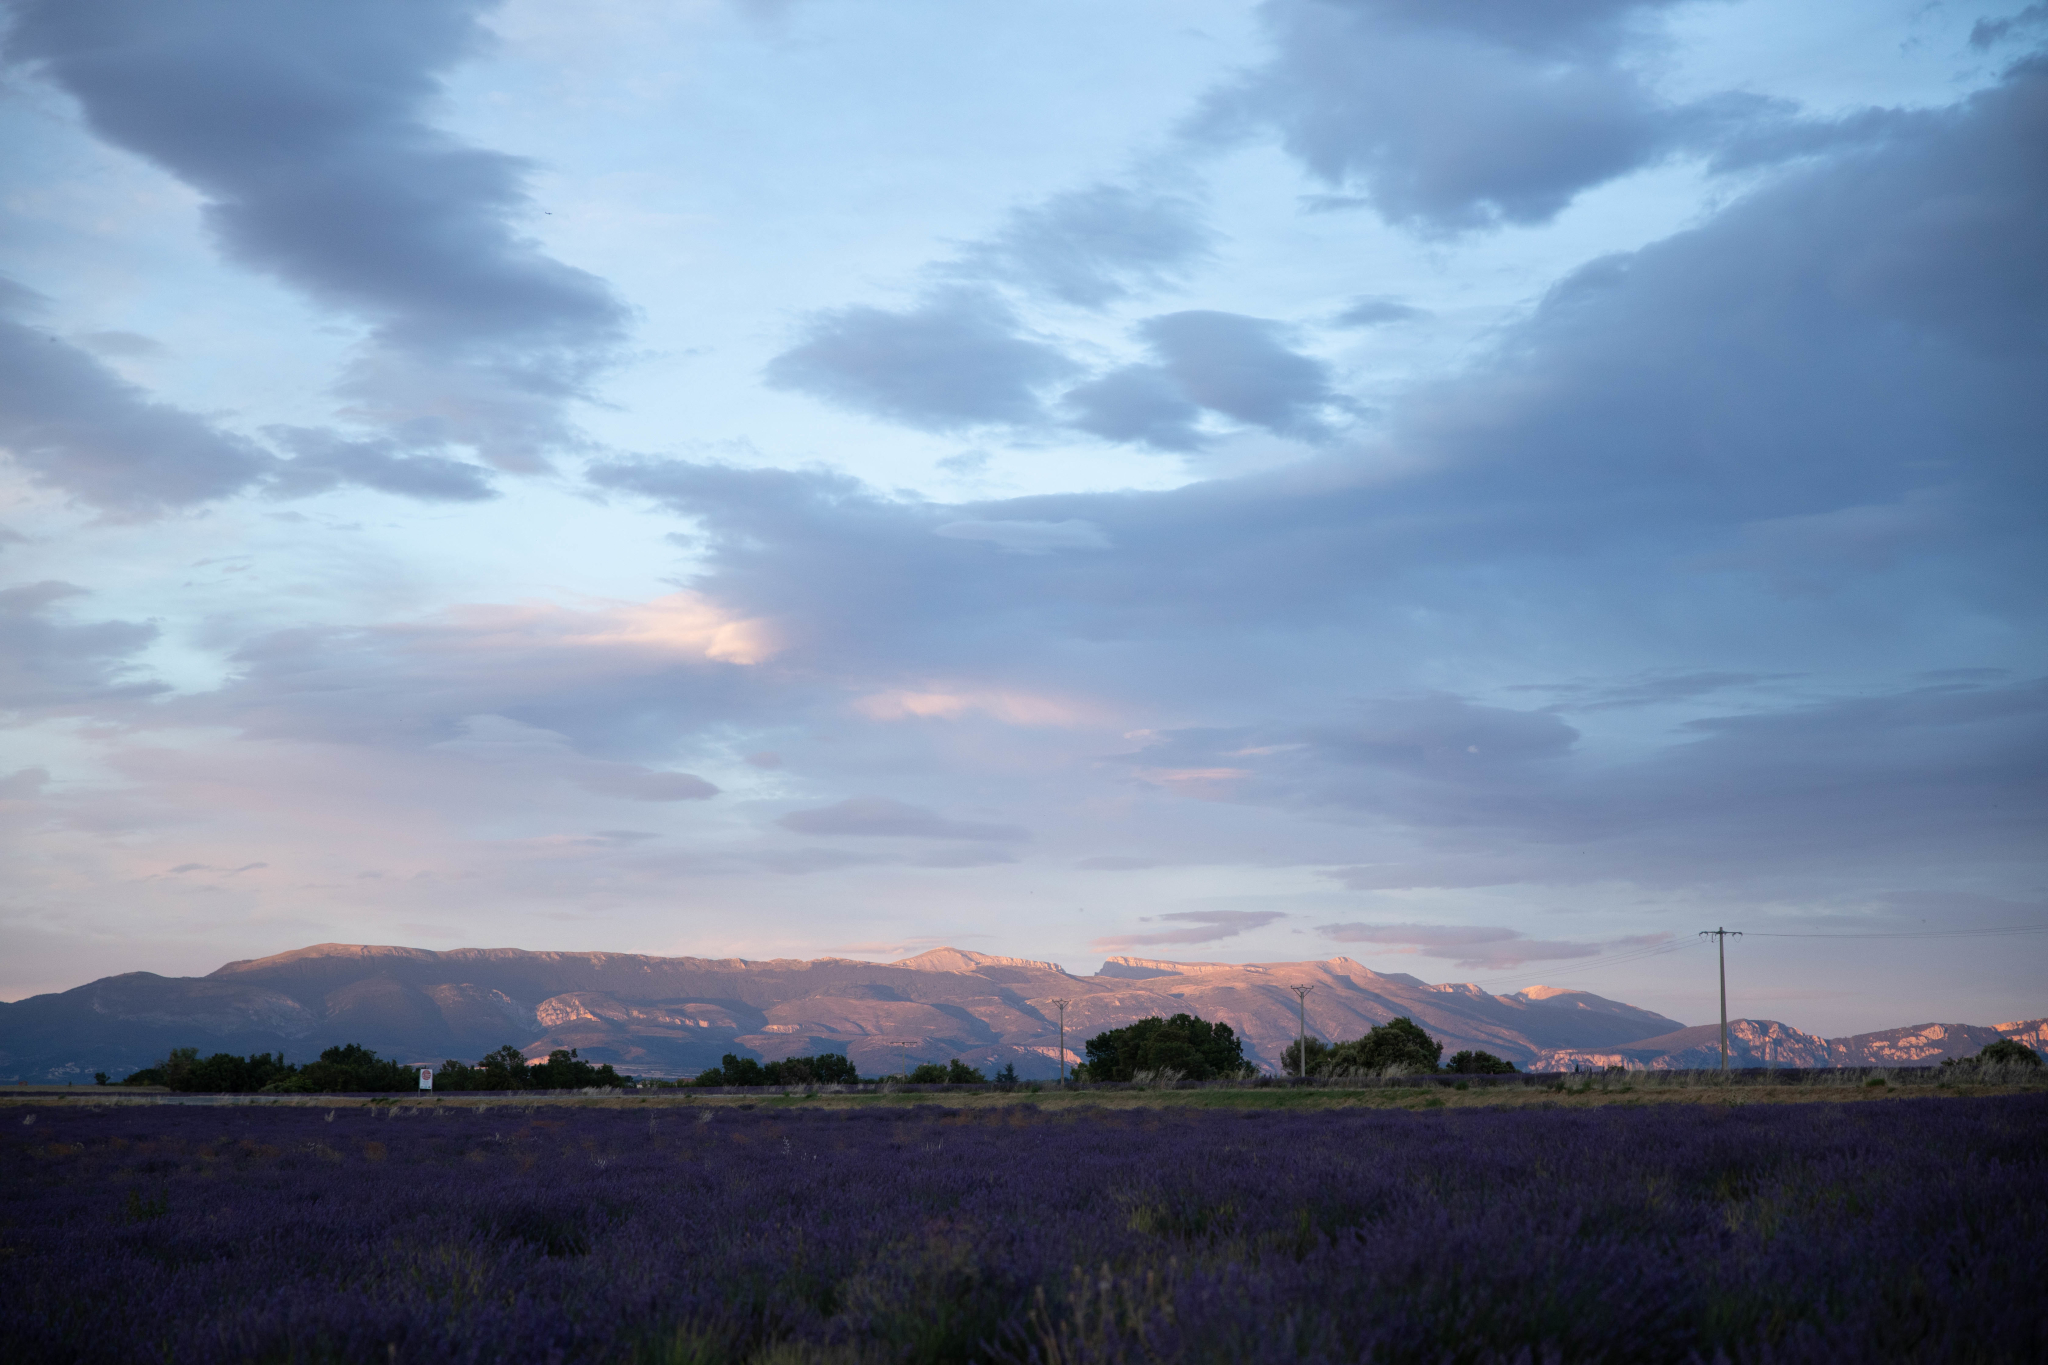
[1318, 1054]
[221, 1074]
[1008, 1075]
[1471, 1063]
[1400, 1043]
[826, 1068]
[734, 1069]
[564, 1070]
[350, 1068]
[1186, 1043]
[2004, 1052]
[952, 1072]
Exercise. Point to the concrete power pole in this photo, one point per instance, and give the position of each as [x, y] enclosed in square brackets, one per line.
[1301, 1002]
[1063, 1036]
[1721, 935]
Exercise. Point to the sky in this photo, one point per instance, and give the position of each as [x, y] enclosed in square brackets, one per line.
[1483, 488]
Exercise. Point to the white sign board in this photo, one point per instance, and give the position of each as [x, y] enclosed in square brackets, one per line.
[426, 1078]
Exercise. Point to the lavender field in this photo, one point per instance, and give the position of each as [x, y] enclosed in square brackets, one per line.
[1891, 1230]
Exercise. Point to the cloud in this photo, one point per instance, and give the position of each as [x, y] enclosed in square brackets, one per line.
[47, 664]
[538, 753]
[1011, 708]
[325, 460]
[958, 359]
[24, 784]
[74, 425]
[1204, 926]
[1475, 946]
[1224, 362]
[1456, 117]
[1377, 310]
[1988, 33]
[1094, 246]
[1028, 537]
[609, 678]
[306, 129]
[880, 817]
[1926, 778]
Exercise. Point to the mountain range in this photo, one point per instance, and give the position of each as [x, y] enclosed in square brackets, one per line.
[675, 1016]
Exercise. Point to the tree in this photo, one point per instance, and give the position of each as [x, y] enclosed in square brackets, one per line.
[1318, 1055]
[1400, 1044]
[1186, 1043]
[504, 1069]
[734, 1070]
[1470, 1063]
[350, 1067]
[221, 1074]
[564, 1070]
[1008, 1075]
[826, 1068]
[2004, 1052]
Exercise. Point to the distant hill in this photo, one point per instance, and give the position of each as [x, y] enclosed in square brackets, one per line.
[675, 1016]
[669, 1016]
[1767, 1043]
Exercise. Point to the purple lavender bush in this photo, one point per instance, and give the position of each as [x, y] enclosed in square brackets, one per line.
[1897, 1230]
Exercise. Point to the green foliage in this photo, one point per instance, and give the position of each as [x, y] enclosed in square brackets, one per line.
[221, 1074]
[1186, 1043]
[1318, 1054]
[1008, 1075]
[349, 1068]
[1399, 1043]
[954, 1072]
[2004, 1052]
[826, 1068]
[564, 1070]
[1469, 1063]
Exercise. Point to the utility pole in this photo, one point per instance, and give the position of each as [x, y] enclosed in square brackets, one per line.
[1301, 1003]
[1722, 936]
[1063, 1037]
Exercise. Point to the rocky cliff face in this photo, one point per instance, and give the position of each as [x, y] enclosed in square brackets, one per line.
[674, 1016]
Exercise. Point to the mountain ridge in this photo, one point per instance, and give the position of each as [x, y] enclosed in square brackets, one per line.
[671, 1016]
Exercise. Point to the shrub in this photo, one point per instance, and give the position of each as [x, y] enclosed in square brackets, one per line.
[1318, 1054]
[1399, 1045]
[350, 1067]
[2004, 1052]
[1187, 1043]
[221, 1074]
[1470, 1063]
[826, 1068]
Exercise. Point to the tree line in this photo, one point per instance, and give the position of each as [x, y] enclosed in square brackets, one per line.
[352, 1068]
[1184, 1046]
[1399, 1046]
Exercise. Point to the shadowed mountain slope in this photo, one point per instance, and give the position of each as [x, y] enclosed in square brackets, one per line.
[676, 1015]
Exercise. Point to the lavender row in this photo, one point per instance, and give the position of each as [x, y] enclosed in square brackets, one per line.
[1891, 1229]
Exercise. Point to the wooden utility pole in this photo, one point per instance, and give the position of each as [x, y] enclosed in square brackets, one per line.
[1722, 936]
[1301, 1002]
[1063, 1037]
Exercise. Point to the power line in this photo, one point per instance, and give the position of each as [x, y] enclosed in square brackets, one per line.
[1923, 933]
